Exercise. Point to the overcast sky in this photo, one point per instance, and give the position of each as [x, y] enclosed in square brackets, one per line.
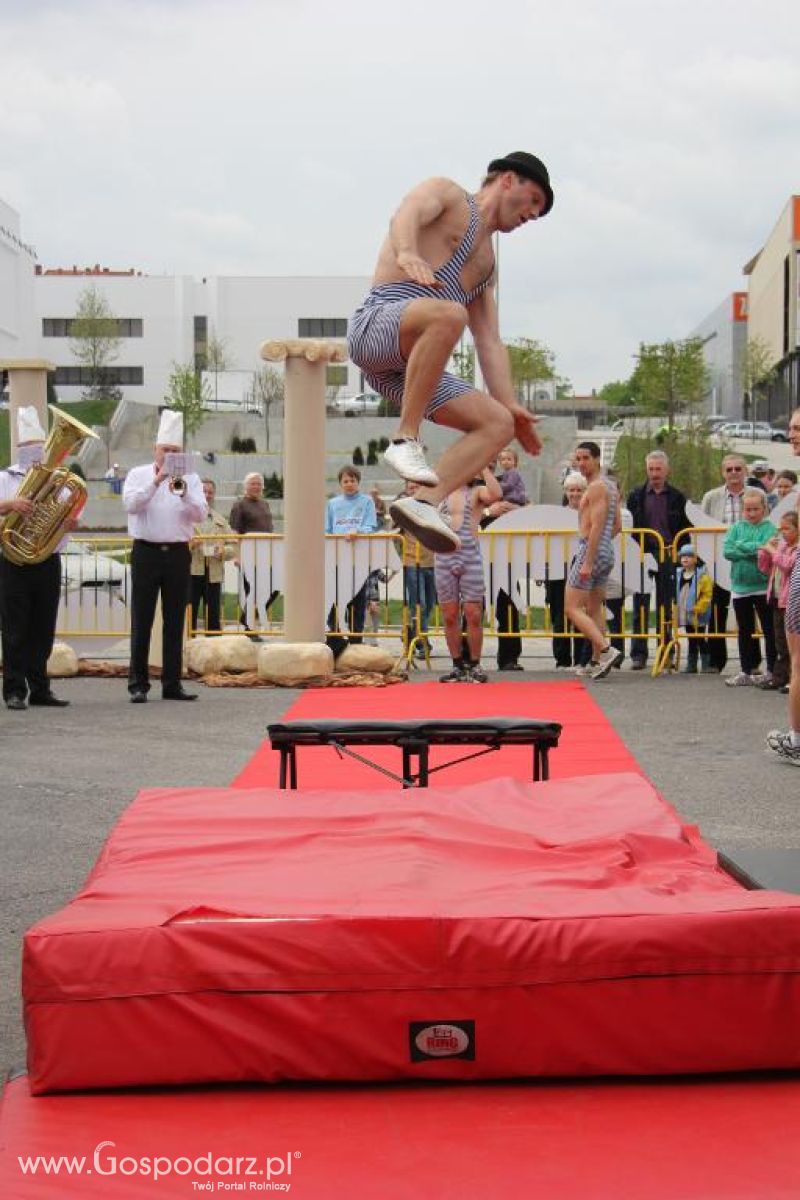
[275, 137]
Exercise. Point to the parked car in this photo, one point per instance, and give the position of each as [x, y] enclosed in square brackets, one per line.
[365, 403]
[752, 431]
[83, 567]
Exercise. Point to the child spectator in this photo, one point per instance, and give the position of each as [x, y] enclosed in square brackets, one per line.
[777, 557]
[749, 587]
[785, 482]
[693, 589]
[351, 514]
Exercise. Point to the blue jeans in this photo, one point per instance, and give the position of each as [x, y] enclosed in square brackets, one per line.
[419, 588]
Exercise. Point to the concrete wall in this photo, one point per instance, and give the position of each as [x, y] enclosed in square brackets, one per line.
[17, 261]
[724, 332]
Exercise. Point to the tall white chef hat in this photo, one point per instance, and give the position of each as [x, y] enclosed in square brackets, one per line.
[29, 427]
[170, 428]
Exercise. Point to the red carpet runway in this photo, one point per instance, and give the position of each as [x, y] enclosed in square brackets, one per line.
[588, 745]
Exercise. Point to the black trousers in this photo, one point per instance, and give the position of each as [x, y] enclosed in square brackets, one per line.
[509, 648]
[717, 646]
[209, 594]
[664, 593]
[29, 598]
[158, 569]
[746, 608]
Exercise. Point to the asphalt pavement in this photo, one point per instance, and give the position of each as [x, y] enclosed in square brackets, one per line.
[69, 773]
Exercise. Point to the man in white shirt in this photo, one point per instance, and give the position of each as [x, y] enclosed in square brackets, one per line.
[724, 504]
[29, 592]
[161, 520]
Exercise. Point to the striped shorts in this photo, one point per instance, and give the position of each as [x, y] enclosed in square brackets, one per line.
[792, 617]
[600, 571]
[374, 346]
[459, 576]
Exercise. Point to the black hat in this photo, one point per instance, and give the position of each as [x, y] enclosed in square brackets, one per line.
[530, 167]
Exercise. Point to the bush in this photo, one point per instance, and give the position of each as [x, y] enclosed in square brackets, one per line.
[273, 486]
[77, 469]
[383, 444]
[358, 457]
[245, 445]
[372, 453]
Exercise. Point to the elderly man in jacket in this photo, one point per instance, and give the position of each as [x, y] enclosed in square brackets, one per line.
[659, 506]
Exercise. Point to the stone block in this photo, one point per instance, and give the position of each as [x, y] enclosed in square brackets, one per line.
[366, 658]
[63, 662]
[294, 660]
[228, 652]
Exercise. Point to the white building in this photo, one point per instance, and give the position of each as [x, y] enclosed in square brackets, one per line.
[165, 320]
[17, 260]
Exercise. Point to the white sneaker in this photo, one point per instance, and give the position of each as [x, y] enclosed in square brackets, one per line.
[583, 671]
[605, 662]
[407, 458]
[783, 746]
[424, 523]
[740, 680]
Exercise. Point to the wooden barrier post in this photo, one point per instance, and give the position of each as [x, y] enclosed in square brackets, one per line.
[304, 482]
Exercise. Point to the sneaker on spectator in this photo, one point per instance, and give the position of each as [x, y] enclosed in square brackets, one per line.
[761, 679]
[407, 458]
[476, 674]
[605, 662]
[457, 675]
[424, 523]
[740, 680]
[583, 671]
[783, 746]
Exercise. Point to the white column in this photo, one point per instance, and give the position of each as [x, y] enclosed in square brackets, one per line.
[304, 482]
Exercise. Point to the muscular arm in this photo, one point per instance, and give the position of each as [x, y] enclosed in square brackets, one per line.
[597, 498]
[421, 207]
[496, 368]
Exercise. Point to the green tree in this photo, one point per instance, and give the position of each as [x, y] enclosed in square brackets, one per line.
[216, 358]
[757, 371]
[267, 393]
[670, 378]
[530, 361]
[617, 394]
[189, 394]
[94, 343]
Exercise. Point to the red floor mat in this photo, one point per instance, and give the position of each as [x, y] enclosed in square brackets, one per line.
[589, 745]
[694, 1139]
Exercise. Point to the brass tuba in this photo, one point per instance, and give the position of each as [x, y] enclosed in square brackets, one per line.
[57, 495]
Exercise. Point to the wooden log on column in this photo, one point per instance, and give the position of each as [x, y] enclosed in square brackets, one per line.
[27, 385]
[304, 481]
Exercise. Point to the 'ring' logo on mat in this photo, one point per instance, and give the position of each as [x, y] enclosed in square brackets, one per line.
[442, 1039]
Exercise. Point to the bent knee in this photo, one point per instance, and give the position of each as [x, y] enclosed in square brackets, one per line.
[502, 426]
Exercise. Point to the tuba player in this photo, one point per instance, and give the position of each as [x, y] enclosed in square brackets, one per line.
[29, 593]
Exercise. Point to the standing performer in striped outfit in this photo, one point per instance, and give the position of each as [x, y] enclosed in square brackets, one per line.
[433, 280]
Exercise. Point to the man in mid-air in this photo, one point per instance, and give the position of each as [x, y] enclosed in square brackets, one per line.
[433, 280]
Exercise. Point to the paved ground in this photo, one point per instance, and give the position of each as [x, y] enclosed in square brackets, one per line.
[67, 775]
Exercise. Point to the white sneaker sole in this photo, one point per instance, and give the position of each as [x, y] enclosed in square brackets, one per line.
[417, 474]
[431, 530]
[605, 667]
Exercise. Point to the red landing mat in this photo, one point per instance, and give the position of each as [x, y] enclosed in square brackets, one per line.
[571, 927]
[589, 745]
[710, 1139]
